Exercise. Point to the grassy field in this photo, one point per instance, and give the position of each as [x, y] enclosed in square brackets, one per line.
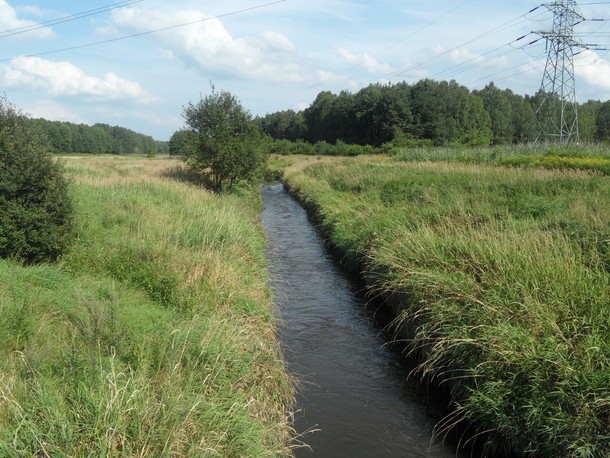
[594, 158]
[500, 277]
[154, 335]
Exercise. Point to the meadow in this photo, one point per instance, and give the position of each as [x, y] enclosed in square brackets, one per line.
[153, 335]
[499, 276]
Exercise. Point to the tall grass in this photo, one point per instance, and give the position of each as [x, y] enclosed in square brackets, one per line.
[154, 336]
[588, 157]
[499, 278]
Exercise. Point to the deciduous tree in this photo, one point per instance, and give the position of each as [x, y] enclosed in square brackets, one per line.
[35, 207]
[229, 145]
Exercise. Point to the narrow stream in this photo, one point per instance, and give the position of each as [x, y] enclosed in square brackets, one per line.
[354, 399]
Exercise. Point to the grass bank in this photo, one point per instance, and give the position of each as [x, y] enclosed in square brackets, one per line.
[154, 336]
[500, 279]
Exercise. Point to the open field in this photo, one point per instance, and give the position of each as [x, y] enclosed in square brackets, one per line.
[500, 278]
[154, 335]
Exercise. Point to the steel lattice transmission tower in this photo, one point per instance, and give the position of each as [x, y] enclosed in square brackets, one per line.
[557, 114]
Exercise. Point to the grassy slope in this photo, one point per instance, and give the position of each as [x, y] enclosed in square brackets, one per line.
[154, 336]
[502, 277]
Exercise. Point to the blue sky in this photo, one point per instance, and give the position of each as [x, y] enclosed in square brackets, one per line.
[275, 56]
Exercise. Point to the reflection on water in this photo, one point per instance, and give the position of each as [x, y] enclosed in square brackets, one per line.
[353, 391]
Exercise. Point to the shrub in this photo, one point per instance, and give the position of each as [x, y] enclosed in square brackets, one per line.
[36, 211]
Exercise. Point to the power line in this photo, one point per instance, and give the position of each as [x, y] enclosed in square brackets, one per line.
[478, 61]
[391, 46]
[61, 20]
[149, 32]
[513, 22]
[421, 29]
[557, 113]
[527, 70]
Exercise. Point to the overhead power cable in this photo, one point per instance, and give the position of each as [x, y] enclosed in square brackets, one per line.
[478, 60]
[512, 23]
[486, 79]
[61, 20]
[421, 29]
[149, 32]
[391, 46]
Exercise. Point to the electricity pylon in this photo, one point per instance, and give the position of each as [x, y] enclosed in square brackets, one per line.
[557, 114]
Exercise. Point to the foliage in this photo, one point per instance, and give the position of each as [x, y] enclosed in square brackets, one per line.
[603, 122]
[286, 147]
[499, 278]
[36, 213]
[440, 112]
[155, 335]
[283, 125]
[229, 144]
[67, 138]
[182, 143]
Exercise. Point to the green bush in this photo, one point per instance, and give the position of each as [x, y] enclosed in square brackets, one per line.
[36, 211]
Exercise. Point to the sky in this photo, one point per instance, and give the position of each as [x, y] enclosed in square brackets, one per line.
[71, 61]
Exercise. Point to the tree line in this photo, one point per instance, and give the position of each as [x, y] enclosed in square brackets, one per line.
[428, 112]
[67, 137]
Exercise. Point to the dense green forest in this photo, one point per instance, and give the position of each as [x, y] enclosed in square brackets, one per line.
[67, 137]
[428, 112]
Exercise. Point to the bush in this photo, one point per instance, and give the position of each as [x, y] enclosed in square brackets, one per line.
[36, 211]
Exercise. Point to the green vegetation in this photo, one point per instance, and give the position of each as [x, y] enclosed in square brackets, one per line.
[154, 335]
[499, 277]
[181, 143]
[438, 113]
[70, 138]
[322, 148]
[594, 158]
[228, 144]
[35, 209]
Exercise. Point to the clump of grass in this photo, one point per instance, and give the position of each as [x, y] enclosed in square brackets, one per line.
[499, 278]
[154, 337]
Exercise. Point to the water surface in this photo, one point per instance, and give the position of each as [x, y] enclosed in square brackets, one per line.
[353, 396]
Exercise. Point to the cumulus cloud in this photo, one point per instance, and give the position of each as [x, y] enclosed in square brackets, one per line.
[465, 56]
[10, 22]
[66, 79]
[459, 56]
[594, 70]
[49, 109]
[364, 60]
[209, 46]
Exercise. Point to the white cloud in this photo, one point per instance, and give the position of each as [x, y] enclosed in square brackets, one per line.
[9, 22]
[208, 45]
[460, 56]
[64, 78]
[34, 10]
[277, 42]
[49, 109]
[594, 70]
[324, 76]
[364, 60]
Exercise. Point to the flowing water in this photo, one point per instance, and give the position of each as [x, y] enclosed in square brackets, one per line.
[354, 399]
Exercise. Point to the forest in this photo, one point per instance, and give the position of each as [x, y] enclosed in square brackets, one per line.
[67, 137]
[428, 112]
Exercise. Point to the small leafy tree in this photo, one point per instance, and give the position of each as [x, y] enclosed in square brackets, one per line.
[35, 208]
[182, 143]
[228, 145]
